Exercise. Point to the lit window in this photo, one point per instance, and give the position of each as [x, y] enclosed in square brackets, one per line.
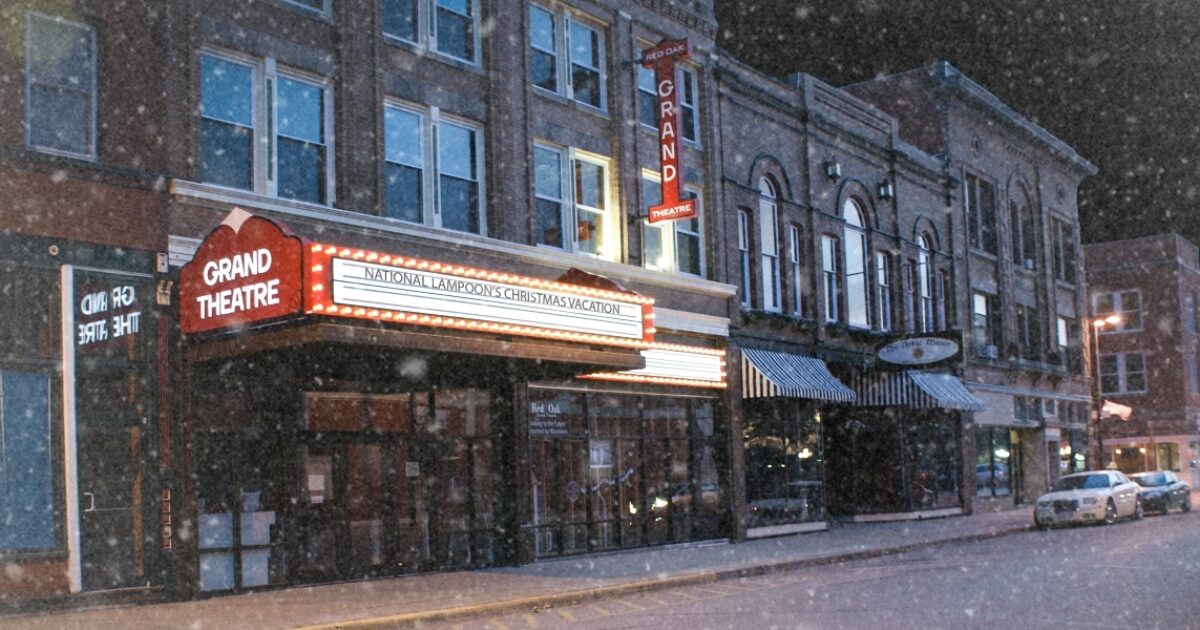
[856, 265]
[446, 27]
[671, 245]
[281, 147]
[60, 112]
[985, 324]
[925, 322]
[415, 137]
[768, 243]
[571, 187]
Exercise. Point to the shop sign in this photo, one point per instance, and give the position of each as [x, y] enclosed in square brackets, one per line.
[413, 291]
[668, 364]
[918, 350]
[547, 419]
[662, 59]
[247, 270]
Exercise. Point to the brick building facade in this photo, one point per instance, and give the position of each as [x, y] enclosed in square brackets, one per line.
[332, 440]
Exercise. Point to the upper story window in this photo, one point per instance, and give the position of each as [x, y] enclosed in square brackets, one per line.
[1189, 312]
[1123, 373]
[768, 243]
[941, 288]
[447, 27]
[1029, 332]
[689, 118]
[795, 261]
[925, 322]
[1065, 253]
[883, 290]
[856, 265]
[671, 245]
[60, 72]
[981, 214]
[433, 166]
[744, 254]
[830, 254]
[1125, 304]
[572, 189]
[567, 56]
[1023, 225]
[316, 6]
[265, 129]
[985, 324]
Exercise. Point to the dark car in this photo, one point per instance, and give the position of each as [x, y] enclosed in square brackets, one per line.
[1162, 490]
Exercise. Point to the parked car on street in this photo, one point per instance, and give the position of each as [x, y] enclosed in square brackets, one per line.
[1097, 496]
[1162, 490]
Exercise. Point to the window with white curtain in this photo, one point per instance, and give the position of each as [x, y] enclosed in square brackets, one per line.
[796, 271]
[883, 288]
[924, 287]
[830, 254]
[768, 243]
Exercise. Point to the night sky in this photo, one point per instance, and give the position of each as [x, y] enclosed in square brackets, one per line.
[1117, 80]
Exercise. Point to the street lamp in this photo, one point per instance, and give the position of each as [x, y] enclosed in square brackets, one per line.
[1097, 324]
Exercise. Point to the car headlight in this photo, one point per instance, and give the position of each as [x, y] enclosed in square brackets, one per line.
[1090, 500]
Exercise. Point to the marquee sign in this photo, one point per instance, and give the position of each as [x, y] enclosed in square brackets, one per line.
[662, 59]
[251, 269]
[669, 364]
[247, 270]
[401, 289]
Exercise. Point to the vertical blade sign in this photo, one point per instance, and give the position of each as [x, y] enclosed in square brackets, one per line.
[662, 59]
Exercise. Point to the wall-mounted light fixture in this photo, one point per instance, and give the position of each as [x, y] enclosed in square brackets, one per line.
[833, 170]
[885, 189]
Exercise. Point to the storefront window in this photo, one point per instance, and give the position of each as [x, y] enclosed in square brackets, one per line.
[615, 470]
[933, 463]
[993, 448]
[783, 459]
[1072, 451]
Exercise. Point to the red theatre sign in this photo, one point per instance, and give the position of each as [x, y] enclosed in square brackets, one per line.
[248, 269]
[662, 59]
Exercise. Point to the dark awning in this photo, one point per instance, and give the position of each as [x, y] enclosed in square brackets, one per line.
[915, 389]
[766, 374]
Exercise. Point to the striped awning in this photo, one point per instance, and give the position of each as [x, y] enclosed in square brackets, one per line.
[766, 374]
[915, 389]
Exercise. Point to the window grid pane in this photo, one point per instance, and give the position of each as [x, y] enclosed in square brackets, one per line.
[61, 107]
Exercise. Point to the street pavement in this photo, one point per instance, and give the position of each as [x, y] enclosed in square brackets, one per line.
[1137, 574]
[422, 599]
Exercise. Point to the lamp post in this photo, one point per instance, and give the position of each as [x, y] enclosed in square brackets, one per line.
[1097, 324]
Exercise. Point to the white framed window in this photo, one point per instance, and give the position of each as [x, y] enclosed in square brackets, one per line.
[768, 244]
[985, 324]
[60, 86]
[586, 77]
[744, 254]
[1125, 304]
[567, 56]
[445, 27]
[925, 321]
[830, 255]
[883, 291]
[572, 188]
[856, 265]
[941, 289]
[794, 260]
[1123, 373]
[265, 129]
[320, 7]
[1189, 363]
[1065, 254]
[433, 168]
[689, 99]
[544, 43]
[678, 245]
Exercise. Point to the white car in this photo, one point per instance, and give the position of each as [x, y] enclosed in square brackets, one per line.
[1097, 496]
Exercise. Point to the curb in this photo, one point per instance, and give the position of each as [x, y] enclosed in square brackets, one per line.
[410, 620]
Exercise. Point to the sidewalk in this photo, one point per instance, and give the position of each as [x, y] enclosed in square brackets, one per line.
[406, 601]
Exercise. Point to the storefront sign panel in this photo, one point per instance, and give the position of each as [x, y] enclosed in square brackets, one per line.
[108, 313]
[675, 365]
[412, 291]
[918, 351]
[247, 270]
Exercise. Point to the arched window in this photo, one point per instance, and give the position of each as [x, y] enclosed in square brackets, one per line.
[768, 243]
[1023, 226]
[925, 321]
[856, 265]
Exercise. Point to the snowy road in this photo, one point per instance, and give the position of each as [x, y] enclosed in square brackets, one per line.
[1133, 574]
